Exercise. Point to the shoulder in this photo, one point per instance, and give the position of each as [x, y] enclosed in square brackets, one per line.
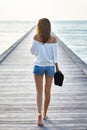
[52, 39]
[37, 37]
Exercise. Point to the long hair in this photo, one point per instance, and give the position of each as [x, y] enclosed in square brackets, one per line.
[43, 28]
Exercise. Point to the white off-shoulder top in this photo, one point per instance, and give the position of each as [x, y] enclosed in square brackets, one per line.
[45, 54]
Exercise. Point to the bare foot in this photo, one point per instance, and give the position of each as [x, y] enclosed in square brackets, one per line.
[44, 116]
[40, 120]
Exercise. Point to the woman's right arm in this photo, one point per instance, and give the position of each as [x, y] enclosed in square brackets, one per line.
[57, 67]
[55, 57]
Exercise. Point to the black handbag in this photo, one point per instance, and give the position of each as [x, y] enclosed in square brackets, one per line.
[58, 78]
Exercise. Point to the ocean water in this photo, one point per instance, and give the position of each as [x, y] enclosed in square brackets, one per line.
[11, 31]
[72, 33]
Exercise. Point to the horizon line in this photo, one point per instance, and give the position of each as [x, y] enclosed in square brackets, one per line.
[50, 20]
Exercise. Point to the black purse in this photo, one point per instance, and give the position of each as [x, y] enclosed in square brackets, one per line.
[58, 78]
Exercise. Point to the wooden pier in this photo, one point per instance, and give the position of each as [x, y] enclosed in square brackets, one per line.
[68, 106]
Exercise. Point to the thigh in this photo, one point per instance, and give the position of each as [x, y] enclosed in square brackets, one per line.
[48, 83]
[38, 82]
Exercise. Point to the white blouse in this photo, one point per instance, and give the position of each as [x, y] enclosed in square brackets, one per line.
[46, 54]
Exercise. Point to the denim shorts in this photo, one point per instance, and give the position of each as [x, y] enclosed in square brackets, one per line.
[47, 70]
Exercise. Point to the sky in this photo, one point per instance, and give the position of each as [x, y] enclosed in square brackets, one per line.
[35, 9]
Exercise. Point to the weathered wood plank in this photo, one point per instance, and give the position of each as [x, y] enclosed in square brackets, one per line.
[68, 107]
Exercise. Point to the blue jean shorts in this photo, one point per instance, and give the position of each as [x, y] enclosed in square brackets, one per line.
[47, 70]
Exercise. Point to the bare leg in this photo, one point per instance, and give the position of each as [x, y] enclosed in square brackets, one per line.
[39, 92]
[47, 93]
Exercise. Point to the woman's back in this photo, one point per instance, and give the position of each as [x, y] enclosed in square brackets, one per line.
[46, 53]
[52, 39]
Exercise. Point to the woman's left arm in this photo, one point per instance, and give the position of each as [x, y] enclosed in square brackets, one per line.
[34, 48]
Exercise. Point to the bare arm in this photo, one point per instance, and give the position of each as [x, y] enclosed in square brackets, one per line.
[57, 68]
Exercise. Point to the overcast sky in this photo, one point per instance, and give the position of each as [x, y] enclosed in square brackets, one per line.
[35, 9]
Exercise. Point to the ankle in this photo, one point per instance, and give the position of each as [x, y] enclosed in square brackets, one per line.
[44, 116]
[39, 114]
[40, 119]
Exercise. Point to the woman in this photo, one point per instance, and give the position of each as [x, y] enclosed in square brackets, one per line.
[44, 47]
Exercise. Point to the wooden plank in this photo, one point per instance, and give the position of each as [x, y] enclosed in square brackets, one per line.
[68, 107]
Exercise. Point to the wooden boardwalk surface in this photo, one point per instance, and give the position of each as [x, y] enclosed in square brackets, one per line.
[68, 107]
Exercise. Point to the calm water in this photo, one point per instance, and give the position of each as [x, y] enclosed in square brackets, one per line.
[11, 31]
[72, 33]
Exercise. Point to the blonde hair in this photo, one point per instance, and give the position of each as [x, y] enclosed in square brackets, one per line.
[43, 28]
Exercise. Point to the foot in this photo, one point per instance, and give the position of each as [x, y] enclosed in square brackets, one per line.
[40, 120]
[44, 116]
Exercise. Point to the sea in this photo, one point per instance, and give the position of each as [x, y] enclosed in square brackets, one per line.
[72, 33]
[11, 31]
